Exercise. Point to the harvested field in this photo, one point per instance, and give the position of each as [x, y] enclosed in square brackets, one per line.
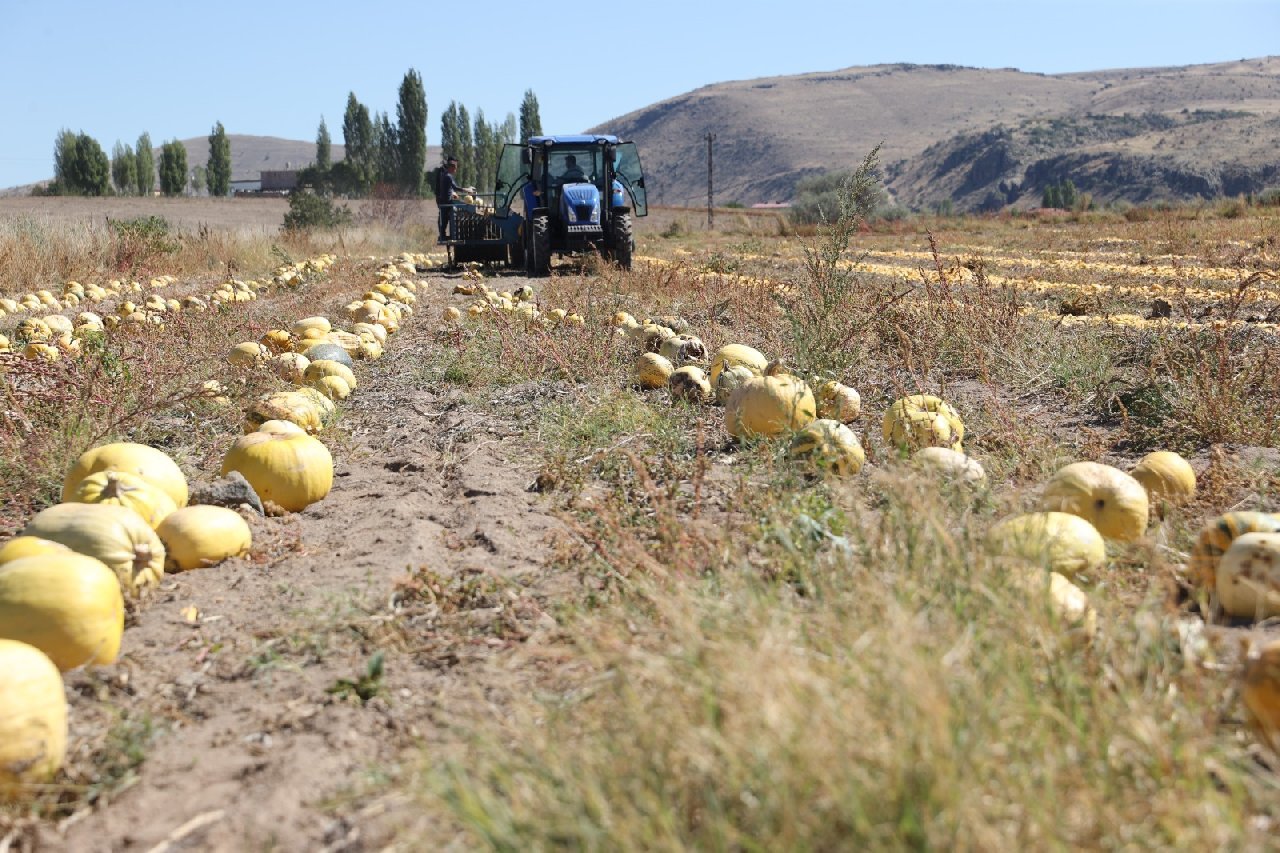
[542, 608]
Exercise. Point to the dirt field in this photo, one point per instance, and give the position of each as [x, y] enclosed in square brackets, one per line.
[541, 608]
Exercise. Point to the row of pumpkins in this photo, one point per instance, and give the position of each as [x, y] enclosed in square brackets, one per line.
[123, 522]
[50, 337]
[1235, 562]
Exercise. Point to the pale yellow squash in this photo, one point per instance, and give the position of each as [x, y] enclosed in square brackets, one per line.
[736, 355]
[922, 420]
[150, 464]
[33, 718]
[1248, 577]
[652, 371]
[283, 464]
[830, 446]
[69, 606]
[1166, 476]
[118, 537]
[131, 491]
[1058, 541]
[769, 405]
[200, 536]
[1108, 498]
[20, 547]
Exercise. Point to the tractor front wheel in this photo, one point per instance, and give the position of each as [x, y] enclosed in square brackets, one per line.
[623, 241]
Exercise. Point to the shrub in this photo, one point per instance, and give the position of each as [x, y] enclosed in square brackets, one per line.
[307, 211]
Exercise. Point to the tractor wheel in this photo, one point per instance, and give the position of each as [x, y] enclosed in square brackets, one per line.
[539, 257]
[623, 241]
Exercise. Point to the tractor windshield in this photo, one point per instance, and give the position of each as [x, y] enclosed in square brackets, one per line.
[575, 165]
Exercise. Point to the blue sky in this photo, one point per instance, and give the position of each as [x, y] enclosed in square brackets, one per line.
[173, 68]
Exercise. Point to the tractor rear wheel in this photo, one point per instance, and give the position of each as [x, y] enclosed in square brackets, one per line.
[540, 246]
[622, 240]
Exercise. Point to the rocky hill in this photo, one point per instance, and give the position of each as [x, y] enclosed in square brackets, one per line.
[980, 138]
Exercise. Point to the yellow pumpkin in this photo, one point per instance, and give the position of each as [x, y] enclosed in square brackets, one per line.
[733, 355]
[283, 464]
[379, 332]
[33, 718]
[292, 406]
[1260, 691]
[1166, 476]
[290, 366]
[127, 490]
[68, 606]
[20, 547]
[652, 371]
[346, 340]
[1067, 602]
[622, 319]
[1216, 537]
[248, 354]
[277, 341]
[769, 405]
[327, 367]
[1059, 541]
[690, 383]
[1108, 498]
[117, 536]
[829, 445]
[1248, 577]
[369, 350]
[922, 420]
[200, 536]
[333, 387]
[838, 402]
[951, 463]
[317, 326]
[729, 380]
[150, 464]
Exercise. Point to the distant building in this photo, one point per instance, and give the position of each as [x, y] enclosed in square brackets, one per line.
[771, 205]
[246, 185]
[279, 181]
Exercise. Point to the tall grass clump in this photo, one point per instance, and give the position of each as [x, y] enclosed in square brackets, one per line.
[884, 685]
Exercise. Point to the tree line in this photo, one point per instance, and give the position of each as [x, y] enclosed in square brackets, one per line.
[387, 158]
[81, 167]
[382, 156]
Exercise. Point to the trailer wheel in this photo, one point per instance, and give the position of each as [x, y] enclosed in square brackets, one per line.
[623, 241]
[540, 247]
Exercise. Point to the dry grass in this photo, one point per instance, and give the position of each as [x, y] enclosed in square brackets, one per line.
[750, 657]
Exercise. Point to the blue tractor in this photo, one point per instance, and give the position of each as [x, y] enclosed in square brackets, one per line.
[579, 194]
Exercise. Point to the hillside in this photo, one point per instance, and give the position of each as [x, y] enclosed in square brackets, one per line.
[976, 136]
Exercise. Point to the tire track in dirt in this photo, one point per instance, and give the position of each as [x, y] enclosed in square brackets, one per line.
[251, 749]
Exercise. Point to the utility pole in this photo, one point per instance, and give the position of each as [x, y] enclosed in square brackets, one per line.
[711, 216]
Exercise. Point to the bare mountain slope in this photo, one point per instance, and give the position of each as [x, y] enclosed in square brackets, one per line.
[771, 132]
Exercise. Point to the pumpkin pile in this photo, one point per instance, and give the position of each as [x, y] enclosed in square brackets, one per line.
[124, 518]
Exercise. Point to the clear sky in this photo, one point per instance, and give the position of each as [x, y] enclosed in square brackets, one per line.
[274, 68]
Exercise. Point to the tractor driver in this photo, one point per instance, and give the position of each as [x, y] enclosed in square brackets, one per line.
[573, 173]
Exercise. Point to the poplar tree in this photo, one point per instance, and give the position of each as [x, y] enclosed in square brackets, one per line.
[146, 169]
[357, 136]
[530, 121]
[124, 169]
[323, 154]
[219, 168]
[173, 168]
[411, 132]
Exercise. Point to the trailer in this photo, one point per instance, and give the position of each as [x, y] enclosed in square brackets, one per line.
[473, 233]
